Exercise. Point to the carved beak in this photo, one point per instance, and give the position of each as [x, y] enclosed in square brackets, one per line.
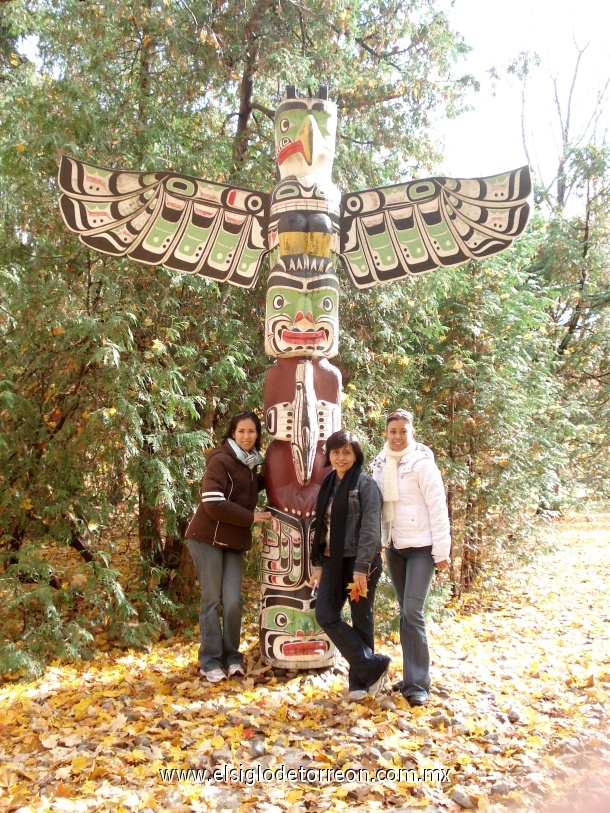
[306, 136]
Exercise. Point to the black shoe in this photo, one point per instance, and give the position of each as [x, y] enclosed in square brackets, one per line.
[419, 699]
[397, 687]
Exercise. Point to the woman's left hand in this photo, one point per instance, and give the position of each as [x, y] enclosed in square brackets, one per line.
[443, 565]
[316, 575]
[360, 580]
[262, 516]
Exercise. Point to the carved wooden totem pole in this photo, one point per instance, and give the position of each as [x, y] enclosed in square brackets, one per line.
[223, 233]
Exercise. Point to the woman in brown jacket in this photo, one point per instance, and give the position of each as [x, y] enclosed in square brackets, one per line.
[218, 535]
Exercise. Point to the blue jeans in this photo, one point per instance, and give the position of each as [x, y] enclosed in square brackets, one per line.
[220, 576]
[356, 643]
[411, 571]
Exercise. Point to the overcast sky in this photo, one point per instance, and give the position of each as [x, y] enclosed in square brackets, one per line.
[489, 139]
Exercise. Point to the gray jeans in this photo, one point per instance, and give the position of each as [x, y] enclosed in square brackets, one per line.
[411, 571]
[220, 575]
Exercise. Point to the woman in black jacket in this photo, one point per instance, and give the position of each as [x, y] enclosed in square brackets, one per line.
[346, 550]
[218, 535]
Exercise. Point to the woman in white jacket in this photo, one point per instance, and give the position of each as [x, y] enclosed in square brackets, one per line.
[417, 538]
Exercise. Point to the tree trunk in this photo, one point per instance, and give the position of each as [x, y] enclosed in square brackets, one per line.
[471, 548]
[177, 559]
[149, 527]
[240, 144]
[450, 495]
[77, 541]
[182, 579]
[145, 81]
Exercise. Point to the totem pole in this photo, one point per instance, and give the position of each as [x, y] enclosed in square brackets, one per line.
[223, 233]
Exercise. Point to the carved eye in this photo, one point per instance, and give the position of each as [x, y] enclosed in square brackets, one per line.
[284, 141]
[327, 304]
[278, 302]
[354, 204]
[284, 125]
[281, 619]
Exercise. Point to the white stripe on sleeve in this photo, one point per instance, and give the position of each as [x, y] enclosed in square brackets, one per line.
[212, 496]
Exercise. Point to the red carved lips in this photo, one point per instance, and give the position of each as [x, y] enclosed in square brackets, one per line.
[290, 149]
[300, 337]
[304, 648]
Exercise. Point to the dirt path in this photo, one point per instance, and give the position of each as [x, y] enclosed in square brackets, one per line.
[537, 652]
[518, 719]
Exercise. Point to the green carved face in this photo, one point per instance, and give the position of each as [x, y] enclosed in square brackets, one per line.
[302, 322]
[305, 131]
[290, 621]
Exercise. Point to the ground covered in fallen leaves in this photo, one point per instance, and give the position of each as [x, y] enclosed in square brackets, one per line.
[518, 719]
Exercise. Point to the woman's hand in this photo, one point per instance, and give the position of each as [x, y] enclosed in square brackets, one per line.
[443, 565]
[360, 580]
[262, 516]
[315, 577]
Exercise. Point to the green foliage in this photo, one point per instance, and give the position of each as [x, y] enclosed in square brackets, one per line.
[572, 264]
[115, 377]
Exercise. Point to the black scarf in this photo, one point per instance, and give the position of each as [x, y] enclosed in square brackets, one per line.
[338, 522]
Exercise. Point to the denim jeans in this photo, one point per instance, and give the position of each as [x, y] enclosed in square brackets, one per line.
[220, 575]
[356, 643]
[411, 571]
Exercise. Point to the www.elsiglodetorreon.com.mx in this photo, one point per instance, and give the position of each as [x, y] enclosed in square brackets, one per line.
[258, 774]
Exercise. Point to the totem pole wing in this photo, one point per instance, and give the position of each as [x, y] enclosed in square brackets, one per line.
[163, 218]
[409, 228]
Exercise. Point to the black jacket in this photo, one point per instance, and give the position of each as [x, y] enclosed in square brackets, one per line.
[362, 527]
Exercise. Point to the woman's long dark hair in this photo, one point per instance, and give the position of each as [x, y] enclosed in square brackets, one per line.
[244, 416]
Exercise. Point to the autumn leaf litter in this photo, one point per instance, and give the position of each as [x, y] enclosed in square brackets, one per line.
[518, 716]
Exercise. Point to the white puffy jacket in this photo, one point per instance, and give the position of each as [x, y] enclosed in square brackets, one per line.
[420, 515]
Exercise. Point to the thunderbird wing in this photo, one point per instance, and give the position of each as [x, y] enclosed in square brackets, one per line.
[164, 218]
[413, 227]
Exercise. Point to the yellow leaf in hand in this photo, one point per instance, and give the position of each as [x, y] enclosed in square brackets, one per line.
[355, 593]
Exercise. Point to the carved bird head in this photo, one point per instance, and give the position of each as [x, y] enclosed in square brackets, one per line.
[305, 131]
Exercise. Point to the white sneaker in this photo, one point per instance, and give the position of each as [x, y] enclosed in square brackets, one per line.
[380, 680]
[236, 670]
[356, 695]
[213, 675]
